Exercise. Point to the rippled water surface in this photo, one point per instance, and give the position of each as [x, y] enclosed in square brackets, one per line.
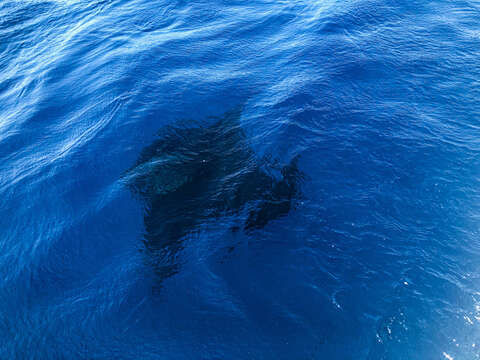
[240, 180]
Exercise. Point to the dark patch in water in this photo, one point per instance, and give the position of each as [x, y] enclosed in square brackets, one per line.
[191, 175]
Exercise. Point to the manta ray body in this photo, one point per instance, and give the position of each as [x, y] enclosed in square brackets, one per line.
[191, 175]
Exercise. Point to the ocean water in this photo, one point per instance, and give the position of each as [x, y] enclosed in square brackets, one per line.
[240, 180]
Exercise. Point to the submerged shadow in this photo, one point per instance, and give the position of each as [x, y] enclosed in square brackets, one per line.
[192, 174]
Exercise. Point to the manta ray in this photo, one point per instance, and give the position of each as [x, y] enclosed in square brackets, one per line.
[195, 173]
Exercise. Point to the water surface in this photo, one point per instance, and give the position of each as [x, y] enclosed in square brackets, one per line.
[376, 255]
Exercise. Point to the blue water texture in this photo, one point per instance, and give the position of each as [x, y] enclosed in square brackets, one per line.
[240, 180]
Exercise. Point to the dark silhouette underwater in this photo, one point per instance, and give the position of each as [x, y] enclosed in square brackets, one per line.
[192, 174]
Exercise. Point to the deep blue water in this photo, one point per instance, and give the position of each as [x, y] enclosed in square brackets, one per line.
[376, 256]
